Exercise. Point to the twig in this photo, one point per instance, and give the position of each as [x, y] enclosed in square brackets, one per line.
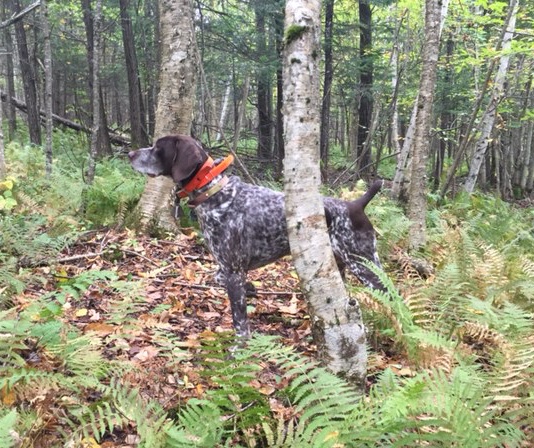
[135, 254]
[79, 257]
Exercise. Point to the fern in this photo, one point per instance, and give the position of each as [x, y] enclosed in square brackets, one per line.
[9, 279]
[322, 401]
[8, 436]
[24, 237]
[119, 405]
[201, 425]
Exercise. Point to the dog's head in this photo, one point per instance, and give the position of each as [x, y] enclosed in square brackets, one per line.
[177, 156]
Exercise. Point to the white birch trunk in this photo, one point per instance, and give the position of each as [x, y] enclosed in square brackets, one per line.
[224, 111]
[488, 119]
[417, 191]
[336, 319]
[174, 112]
[2, 147]
[402, 173]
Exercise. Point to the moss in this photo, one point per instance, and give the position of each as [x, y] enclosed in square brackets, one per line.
[294, 32]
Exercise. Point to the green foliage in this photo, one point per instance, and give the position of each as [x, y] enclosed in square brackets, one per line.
[7, 202]
[118, 405]
[111, 197]
[433, 408]
[114, 193]
[7, 424]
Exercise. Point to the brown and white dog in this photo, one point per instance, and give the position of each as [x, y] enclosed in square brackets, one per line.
[244, 225]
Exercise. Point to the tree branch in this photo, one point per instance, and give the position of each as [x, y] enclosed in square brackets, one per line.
[20, 15]
[114, 138]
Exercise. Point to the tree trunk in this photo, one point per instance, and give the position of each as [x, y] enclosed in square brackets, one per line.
[28, 78]
[365, 110]
[488, 119]
[137, 108]
[466, 137]
[529, 183]
[279, 136]
[151, 62]
[402, 179]
[265, 135]
[48, 86]
[10, 76]
[96, 99]
[336, 320]
[174, 113]
[395, 135]
[103, 145]
[240, 112]
[446, 118]
[224, 110]
[528, 150]
[417, 193]
[327, 88]
[2, 151]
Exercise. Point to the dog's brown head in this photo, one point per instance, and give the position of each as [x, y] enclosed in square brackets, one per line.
[177, 156]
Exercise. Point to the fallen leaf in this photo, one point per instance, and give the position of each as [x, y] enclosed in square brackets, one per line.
[293, 307]
[8, 396]
[90, 443]
[267, 390]
[146, 353]
[100, 328]
[82, 312]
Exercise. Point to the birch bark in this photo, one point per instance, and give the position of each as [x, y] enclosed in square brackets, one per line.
[174, 113]
[421, 142]
[2, 149]
[403, 171]
[488, 119]
[336, 319]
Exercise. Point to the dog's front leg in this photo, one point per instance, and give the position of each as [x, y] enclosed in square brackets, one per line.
[235, 285]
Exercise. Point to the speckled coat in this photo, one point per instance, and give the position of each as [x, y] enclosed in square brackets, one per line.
[245, 227]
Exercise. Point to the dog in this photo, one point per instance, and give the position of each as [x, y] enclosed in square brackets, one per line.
[245, 226]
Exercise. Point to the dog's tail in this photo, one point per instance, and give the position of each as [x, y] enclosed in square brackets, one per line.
[369, 194]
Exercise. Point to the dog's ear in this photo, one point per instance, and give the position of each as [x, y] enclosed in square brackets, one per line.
[190, 157]
[181, 156]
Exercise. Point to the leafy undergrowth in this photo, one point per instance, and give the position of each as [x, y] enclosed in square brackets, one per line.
[109, 338]
[119, 311]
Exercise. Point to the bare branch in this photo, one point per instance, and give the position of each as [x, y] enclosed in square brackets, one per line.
[20, 15]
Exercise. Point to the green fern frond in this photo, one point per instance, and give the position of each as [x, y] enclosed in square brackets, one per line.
[282, 435]
[201, 425]
[118, 405]
[322, 400]
[8, 438]
[9, 279]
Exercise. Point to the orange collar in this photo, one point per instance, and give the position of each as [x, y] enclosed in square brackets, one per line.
[205, 175]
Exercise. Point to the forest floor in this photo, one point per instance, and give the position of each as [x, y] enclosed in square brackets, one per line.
[172, 306]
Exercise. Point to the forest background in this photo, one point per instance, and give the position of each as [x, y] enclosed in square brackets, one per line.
[457, 325]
